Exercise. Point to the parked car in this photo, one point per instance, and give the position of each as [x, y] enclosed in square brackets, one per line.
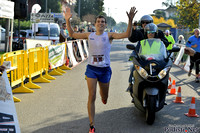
[26, 33]
[42, 32]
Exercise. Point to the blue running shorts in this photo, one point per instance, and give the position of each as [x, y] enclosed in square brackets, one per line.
[103, 74]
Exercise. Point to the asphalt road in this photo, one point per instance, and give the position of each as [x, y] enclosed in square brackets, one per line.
[61, 106]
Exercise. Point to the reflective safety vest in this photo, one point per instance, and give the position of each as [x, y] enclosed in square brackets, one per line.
[149, 50]
[170, 39]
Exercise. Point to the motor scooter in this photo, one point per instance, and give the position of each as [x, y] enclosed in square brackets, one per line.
[150, 79]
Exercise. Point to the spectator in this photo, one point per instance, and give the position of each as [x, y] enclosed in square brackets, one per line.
[171, 43]
[63, 33]
[194, 43]
[76, 29]
[181, 39]
[170, 40]
[82, 30]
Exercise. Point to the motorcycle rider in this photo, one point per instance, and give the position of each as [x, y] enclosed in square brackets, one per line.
[139, 34]
[149, 46]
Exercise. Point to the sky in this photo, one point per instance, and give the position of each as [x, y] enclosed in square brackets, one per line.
[117, 8]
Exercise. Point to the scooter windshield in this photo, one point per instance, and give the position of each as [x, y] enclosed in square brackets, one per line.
[152, 49]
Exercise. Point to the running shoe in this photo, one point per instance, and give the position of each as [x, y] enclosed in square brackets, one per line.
[92, 129]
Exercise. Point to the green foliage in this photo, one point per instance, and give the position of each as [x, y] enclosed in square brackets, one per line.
[160, 14]
[110, 22]
[23, 25]
[94, 7]
[121, 26]
[75, 21]
[188, 13]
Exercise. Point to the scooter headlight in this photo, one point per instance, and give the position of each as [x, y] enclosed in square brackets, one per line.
[141, 71]
[163, 72]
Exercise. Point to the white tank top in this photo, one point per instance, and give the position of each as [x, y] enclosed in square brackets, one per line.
[99, 50]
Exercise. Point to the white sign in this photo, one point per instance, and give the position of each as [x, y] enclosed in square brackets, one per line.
[35, 8]
[6, 9]
[42, 17]
[8, 116]
[31, 43]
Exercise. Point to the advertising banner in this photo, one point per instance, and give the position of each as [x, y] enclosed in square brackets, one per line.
[56, 55]
[42, 17]
[179, 56]
[8, 116]
[32, 43]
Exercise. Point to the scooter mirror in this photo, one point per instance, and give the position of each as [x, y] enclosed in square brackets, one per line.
[130, 46]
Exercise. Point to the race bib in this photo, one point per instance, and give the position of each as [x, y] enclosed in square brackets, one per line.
[98, 59]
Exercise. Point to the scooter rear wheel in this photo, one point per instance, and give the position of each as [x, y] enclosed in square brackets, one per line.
[150, 110]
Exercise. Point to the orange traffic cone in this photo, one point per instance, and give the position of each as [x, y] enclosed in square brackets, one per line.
[178, 97]
[169, 83]
[173, 89]
[192, 110]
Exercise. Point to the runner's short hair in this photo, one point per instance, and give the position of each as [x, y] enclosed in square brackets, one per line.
[100, 16]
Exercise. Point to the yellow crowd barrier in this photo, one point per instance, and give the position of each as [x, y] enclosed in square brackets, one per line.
[36, 67]
[33, 65]
[17, 72]
[46, 64]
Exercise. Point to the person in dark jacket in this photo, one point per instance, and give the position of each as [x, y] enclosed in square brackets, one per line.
[139, 34]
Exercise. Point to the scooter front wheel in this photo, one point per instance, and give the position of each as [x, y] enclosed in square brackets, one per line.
[150, 110]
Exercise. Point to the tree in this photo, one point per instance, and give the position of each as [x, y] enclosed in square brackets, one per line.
[89, 18]
[110, 22]
[75, 20]
[121, 26]
[188, 13]
[168, 3]
[162, 20]
[54, 5]
[94, 7]
[160, 14]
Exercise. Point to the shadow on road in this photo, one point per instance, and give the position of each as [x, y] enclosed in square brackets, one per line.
[127, 120]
